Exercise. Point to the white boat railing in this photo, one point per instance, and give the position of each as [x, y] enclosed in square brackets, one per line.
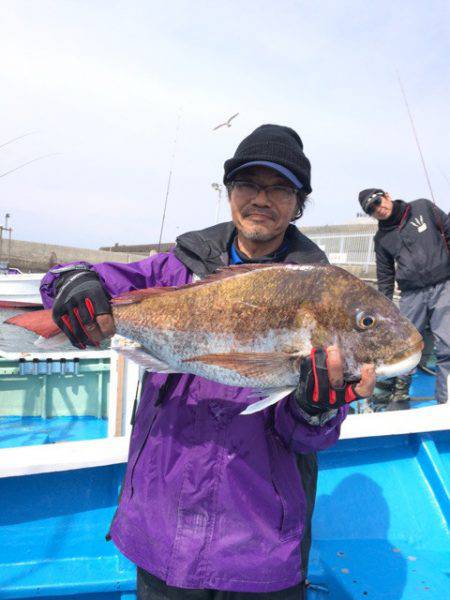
[114, 449]
[23, 288]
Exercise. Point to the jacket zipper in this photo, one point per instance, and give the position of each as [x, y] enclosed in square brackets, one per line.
[405, 214]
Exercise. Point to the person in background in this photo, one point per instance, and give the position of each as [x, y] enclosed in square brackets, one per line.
[217, 505]
[412, 249]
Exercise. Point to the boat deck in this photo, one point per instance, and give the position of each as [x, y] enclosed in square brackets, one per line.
[382, 518]
[34, 431]
[381, 525]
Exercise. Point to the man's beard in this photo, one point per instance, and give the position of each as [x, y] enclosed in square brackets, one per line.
[258, 235]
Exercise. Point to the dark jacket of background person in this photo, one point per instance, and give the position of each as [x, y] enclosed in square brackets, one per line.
[211, 498]
[413, 252]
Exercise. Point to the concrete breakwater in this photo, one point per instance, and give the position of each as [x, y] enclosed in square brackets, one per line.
[349, 245]
[36, 257]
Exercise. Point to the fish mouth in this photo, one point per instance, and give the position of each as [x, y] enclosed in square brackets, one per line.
[401, 363]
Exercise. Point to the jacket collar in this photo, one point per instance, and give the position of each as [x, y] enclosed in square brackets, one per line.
[396, 220]
[207, 250]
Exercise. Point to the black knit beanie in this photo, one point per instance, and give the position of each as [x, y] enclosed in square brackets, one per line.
[277, 144]
[366, 197]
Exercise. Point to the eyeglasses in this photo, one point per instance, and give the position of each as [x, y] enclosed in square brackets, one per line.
[375, 203]
[248, 190]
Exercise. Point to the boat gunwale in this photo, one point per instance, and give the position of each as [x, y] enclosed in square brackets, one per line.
[66, 456]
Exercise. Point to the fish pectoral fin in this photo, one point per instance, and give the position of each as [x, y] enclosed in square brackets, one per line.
[273, 398]
[248, 364]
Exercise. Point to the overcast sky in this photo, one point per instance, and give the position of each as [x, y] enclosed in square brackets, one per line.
[103, 83]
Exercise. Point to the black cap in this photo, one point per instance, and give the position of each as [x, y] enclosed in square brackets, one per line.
[366, 197]
[273, 144]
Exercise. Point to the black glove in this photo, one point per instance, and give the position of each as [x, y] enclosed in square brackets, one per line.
[314, 393]
[80, 298]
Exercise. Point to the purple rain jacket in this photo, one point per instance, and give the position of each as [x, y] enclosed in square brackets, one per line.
[211, 498]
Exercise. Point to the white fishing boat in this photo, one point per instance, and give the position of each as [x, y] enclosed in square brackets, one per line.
[20, 289]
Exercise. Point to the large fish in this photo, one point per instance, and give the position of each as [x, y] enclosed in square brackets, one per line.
[251, 325]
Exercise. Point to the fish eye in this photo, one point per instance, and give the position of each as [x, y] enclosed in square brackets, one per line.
[364, 321]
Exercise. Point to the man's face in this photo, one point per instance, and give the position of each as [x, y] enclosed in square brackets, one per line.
[261, 218]
[384, 210]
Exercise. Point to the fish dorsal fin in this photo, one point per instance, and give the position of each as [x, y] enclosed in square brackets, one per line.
[231, 271]
[137, 296]
[242, 268]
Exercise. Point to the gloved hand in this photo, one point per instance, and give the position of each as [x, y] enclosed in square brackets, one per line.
[321, 386]
[80, 299]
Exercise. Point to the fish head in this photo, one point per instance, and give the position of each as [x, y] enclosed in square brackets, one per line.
[367, 326]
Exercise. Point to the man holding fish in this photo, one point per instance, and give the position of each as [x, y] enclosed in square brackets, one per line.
[216, 503]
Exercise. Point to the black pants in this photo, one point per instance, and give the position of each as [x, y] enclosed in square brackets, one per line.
[150, 587]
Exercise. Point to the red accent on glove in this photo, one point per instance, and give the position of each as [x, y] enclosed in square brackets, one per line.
[316, 379]
[90, 307]
[350, 394]
[65, 319]
[83, 327]
[332, 396]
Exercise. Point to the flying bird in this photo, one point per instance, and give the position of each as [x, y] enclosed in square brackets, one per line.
[227, 123]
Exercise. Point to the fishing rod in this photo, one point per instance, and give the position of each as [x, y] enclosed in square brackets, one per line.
[170, 178]
[18, 138]
[28, 163]
[416, 137]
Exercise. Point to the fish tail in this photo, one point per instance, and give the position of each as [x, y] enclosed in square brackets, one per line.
[37, 321]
